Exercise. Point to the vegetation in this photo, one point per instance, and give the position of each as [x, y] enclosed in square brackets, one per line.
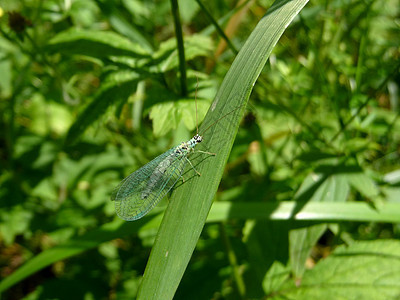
[301, 199]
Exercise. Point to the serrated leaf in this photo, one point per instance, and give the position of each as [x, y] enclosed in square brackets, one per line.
[195, 45]
[364, 270]
[166, 116]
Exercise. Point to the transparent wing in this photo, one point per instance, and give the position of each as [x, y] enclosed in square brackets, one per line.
[138, 193]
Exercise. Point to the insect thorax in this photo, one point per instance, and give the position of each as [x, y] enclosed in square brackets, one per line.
[186, 147]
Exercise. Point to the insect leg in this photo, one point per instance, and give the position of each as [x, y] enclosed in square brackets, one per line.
[192, 166]
[205, 152]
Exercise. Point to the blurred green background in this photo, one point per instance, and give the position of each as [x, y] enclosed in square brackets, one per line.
[91, 90]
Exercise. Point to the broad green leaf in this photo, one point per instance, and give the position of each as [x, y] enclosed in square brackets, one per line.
[276, 276]
[195, 46]
[95, 44]
[364, 270]
[324, 188]
[301, 241]
[166, 116]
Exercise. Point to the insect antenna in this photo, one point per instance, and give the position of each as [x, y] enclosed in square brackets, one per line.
[195, 101]
[224, 116]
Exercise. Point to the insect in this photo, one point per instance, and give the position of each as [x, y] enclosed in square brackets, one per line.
[138, 193]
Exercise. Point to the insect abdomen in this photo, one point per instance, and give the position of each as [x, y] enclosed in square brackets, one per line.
[155, 177]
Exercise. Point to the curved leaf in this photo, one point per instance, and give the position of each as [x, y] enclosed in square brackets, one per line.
[188, 209]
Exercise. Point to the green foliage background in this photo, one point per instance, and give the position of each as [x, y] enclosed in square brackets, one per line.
[309, 203]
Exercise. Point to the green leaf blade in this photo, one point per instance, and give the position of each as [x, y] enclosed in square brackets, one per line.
[188, 209]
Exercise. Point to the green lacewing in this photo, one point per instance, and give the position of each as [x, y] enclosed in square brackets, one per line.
[138, 193]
